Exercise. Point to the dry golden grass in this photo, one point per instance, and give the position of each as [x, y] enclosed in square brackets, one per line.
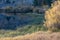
[36, 36]
[52, 17]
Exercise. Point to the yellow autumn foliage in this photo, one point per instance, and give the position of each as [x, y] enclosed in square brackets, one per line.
[52, 17]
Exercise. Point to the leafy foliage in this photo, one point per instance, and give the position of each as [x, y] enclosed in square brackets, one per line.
[31, 22]
[42, 2]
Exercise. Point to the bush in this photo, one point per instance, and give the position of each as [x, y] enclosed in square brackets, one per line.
[52, 17]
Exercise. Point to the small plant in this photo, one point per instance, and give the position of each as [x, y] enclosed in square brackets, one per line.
[52, 17]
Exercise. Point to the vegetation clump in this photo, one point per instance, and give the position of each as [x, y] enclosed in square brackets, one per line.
[52, 17]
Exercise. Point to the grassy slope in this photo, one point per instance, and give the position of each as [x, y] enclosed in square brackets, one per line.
[36, 36]
[34, 25]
